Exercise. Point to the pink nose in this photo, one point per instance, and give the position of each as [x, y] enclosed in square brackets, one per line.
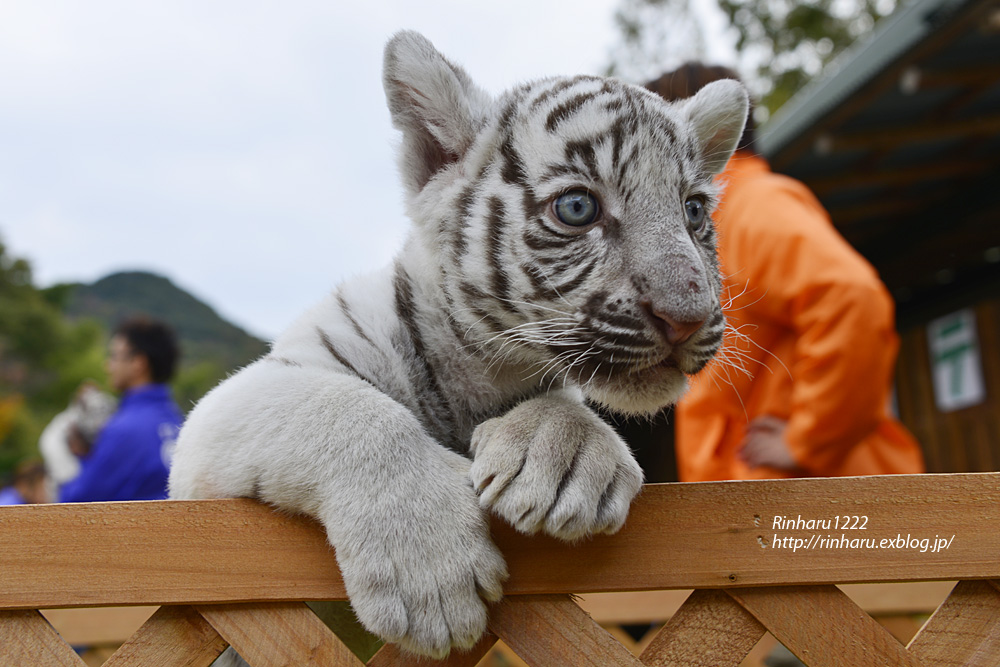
[674, 330]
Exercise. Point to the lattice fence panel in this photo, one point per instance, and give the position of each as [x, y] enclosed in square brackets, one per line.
[173, 637]
[713, 628]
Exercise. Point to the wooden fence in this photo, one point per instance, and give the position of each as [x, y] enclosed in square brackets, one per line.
[233, 572]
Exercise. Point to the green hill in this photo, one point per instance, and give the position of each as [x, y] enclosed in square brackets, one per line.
[203, 334]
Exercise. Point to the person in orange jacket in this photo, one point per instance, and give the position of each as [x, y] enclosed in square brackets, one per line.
[804, 380]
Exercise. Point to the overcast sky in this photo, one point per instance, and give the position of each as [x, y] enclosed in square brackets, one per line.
[240, 148]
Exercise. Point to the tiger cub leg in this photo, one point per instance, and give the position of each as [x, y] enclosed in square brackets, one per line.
[552, 465]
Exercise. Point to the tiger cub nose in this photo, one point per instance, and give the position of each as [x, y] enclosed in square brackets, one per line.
[672, 329]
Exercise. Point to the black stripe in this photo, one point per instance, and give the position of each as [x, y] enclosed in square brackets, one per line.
[438, 411]
[536, 241]
[584, 149]
[624, 342]
[544, 287]
[497, 221]
[567, 287]
[341, 359]
[513, 168]
[566, 110]
[465, 202]
[555, 171]
[284, 361]
[620, 321]
[346, 310]
[478, 296]
[555, 90]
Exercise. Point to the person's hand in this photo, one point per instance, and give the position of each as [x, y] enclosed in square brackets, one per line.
[78, 445]
[765, 444]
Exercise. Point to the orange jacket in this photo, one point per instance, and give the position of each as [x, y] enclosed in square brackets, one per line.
[816, 331]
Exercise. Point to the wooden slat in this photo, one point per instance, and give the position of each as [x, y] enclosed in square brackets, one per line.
[705, 535]
[965, 630]
[26, 638]
[172, 637]
[709, 630]
[553, 630]
[141, 553]
[279, 634]
[823, 627]
[391, 655]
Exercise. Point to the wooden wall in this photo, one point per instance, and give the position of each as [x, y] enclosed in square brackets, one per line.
[965, 440]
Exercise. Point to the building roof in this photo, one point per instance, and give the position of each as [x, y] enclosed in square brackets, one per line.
[900, 140]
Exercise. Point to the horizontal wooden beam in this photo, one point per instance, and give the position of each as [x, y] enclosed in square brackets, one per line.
[705, 535]
[891, 137]
[876, 176]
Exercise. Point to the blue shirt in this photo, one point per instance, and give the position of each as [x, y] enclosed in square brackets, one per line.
[10, 496]
[130, 458]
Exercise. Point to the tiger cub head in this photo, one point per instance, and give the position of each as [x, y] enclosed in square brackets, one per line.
[567, 222]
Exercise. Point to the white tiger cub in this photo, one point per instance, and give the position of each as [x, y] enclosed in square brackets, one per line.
[562, 249]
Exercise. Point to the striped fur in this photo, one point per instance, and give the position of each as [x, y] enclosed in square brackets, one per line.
[453, 381]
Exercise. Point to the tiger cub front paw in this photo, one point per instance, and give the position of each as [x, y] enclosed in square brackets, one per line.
[551, 464]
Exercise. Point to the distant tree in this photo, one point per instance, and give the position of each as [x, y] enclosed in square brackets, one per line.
[781, 44]
[655, 35]
[43, 359]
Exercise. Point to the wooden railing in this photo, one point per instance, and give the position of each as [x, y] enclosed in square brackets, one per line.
[233, 572]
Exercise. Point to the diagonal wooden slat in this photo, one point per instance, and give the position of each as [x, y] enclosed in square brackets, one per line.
[709, 630]
[172, 637]
[391, 655]
[278, 634]
[554, 630]
[965, 630]
[823, 627]
[27, 640]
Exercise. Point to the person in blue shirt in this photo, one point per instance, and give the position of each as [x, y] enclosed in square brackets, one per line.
[130, 458]
[27, 487]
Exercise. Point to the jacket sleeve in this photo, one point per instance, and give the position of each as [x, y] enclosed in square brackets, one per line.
[104, 472]
[841, 316]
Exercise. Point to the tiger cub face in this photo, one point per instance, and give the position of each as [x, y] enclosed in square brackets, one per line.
[569, 221]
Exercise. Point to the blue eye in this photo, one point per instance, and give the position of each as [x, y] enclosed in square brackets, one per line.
[695, 209]
[576, 208]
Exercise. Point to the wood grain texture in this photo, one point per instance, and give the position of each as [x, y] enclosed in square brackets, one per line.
[965, 630]
[553, 630]
[172, 637]
[161, 552]
[26, 638]
[279, 634]
[709, 630]
[704, 535]
[823, 627]
[391, 655]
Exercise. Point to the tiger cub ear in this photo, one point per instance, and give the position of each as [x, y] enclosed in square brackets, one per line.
[718, 113]
[434, 103]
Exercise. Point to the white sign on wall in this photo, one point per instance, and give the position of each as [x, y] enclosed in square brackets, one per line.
[955, 362]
